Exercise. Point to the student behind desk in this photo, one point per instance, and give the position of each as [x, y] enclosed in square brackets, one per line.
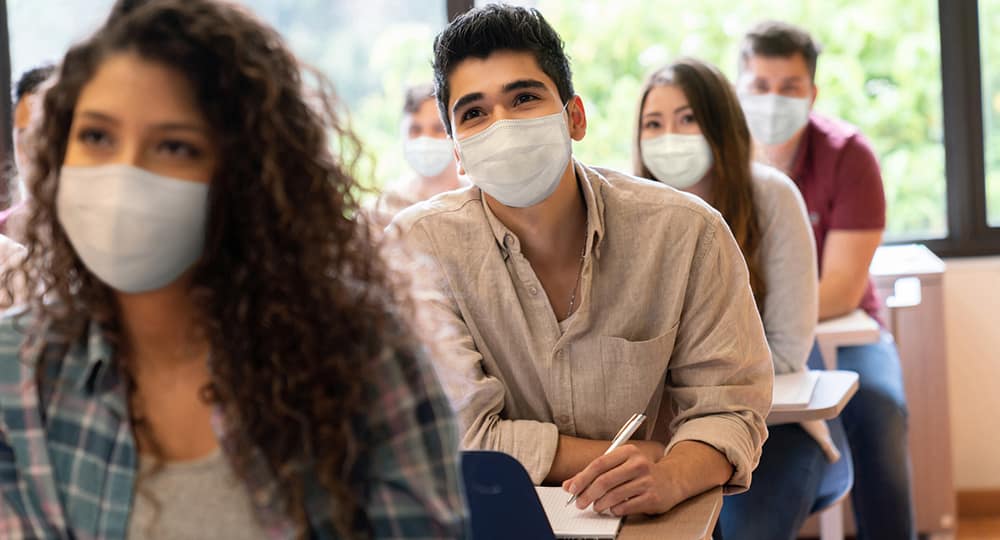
[578, 295]
[26, 105]
[835, 169]
[428, 151]
[691, 135]
[212, 349]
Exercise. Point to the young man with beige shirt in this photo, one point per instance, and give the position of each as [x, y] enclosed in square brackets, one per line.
[578, 296]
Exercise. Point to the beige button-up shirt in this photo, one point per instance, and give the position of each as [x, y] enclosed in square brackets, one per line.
[666, 324]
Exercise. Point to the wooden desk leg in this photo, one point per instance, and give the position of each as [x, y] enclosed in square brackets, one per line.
[829, 354]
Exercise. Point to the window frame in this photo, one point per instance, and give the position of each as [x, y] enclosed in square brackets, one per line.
[969, 232]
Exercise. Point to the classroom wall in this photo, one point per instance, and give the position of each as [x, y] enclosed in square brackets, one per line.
[972, 321]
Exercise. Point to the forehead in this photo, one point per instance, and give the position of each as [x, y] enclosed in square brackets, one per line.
[665, 98]
[489, 75]
[140, 89]
[777, 66]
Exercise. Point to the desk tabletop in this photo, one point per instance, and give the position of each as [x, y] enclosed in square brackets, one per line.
[856, 322]
[856, 328]
[693, 519]
[833, 390]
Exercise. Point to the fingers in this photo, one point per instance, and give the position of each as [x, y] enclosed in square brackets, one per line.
[624, 492]
[596, 468]
[633, 467]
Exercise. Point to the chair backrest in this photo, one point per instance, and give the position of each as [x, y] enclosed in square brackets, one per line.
[503, 504]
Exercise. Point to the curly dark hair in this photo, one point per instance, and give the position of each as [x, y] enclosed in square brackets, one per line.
[293, 295]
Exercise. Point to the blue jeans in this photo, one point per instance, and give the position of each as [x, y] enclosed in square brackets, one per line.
[875, 421]
[783, 489]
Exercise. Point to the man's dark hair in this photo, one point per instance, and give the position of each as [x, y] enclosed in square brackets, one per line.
[416, 95]
[779, 39]
[31, 80]
[498, 27]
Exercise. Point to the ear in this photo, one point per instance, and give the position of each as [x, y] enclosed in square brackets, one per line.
[815, 93]
[577, 119]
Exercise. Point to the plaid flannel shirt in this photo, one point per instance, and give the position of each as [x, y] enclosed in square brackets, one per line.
[68, 456]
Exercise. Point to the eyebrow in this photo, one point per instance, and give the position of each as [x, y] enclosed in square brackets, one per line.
[520, 84]
[165, 126]
[523, 84]
[465, 100]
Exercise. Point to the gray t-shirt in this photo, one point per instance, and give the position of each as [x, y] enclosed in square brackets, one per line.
[788, 252]
[193, 500]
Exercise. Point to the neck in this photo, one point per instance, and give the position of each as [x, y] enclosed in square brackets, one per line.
[554, 230]
[780, 156]
[428, 187]
[703, 189]
[159, 327]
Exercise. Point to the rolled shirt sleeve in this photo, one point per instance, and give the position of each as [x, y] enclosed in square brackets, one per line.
[720, 374]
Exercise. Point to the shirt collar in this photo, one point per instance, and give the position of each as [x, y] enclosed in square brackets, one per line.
[93, 372]
[799, 164]
[590, 184]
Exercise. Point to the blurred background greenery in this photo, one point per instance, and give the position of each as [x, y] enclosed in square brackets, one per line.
[880, 70]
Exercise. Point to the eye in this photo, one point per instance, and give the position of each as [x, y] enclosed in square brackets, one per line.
[524, 98]
[471, 114]
[94, 137]
[177, 148]
[651, 124]
[688, 119]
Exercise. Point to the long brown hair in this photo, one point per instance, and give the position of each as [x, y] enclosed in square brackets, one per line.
[292, 293]
[720, 117]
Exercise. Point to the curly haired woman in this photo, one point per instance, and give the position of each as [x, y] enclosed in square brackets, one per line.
[214, 347]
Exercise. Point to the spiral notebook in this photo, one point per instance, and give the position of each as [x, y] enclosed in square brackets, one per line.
[569, 522]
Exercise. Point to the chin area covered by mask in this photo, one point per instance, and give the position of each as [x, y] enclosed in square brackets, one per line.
[679, 161]
[427, 156]
[134, 230]
[774, 119]
[518, 162]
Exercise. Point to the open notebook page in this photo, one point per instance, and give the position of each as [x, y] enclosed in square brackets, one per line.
[571, 522]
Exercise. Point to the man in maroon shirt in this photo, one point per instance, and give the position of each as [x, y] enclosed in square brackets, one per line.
[838, 175]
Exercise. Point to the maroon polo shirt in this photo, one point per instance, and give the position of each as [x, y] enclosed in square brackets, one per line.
[839, 177]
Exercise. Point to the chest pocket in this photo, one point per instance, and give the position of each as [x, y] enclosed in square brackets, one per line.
[633, 371]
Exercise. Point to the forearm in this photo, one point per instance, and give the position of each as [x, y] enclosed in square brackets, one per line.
[839, 296]
[574, 454]
[693, 467]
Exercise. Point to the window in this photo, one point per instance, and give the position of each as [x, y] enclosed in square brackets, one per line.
[883, 78]
[371, 50]
[989, 27]
[42, 30]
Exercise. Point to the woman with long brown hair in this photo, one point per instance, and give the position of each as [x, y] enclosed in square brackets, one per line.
[214, 347]
[691, 135]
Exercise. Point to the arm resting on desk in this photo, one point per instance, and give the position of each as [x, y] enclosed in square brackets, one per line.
[627, 482]
[844, 275]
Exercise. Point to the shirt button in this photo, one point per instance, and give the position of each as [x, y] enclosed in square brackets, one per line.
[564, 419]
[533, 290]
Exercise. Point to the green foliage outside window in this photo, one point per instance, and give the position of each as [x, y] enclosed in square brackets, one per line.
[879, 70]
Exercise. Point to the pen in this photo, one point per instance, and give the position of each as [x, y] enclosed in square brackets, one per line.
[623, 435]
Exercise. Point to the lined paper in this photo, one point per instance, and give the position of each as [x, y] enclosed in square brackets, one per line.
[571, 522]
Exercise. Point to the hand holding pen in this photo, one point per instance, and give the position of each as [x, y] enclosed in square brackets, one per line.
[624, 434]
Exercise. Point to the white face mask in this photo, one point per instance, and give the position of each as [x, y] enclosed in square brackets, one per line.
[428, 156]
[518, 162]
[774, 119]
[135, 230]
[679, 161]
